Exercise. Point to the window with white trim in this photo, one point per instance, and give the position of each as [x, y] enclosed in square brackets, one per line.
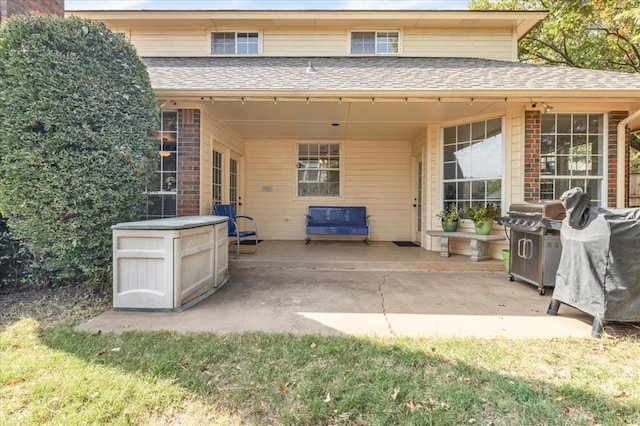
[162, 190]
[318, 170]
[572, 155]
[235, 43]
[374, 42]
[473, 164]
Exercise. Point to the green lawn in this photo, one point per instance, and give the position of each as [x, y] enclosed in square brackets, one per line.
[56, 375]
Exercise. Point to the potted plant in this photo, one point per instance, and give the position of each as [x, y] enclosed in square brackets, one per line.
[483, 217]
[449, 218]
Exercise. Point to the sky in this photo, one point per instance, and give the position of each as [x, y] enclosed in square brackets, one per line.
[265, 4]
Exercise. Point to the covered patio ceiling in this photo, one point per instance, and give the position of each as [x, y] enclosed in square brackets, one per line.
[369, 118]
[363, 119]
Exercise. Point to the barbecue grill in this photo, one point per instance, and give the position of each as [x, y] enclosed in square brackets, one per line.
[535, 247]
[599, 272]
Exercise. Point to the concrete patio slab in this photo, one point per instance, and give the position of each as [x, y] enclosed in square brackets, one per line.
[305, 300]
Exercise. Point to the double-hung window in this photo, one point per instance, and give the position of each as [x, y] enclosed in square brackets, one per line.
[318, 170]
[473, 164]
[235, 43]
[374, 42]
[572, 155]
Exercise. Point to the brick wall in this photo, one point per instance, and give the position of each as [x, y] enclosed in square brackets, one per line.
[19, 7]
[189, 162]
[615, 117]
[532, 156]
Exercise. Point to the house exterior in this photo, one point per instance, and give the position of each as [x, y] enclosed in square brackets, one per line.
[404, 112]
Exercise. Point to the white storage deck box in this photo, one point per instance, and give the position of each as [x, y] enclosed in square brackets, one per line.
[168, 264]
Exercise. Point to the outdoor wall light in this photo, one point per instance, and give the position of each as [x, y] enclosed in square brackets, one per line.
[547, 108]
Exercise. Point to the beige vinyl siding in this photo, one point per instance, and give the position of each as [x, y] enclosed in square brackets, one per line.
[167, 42]
[488, 44]
[375, 174]
[213, 135]
[304, 42]
[447, 43]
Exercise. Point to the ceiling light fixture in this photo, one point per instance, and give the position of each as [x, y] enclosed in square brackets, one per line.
[547, 108]
[162, 105]
[311, 69]
[242, 100]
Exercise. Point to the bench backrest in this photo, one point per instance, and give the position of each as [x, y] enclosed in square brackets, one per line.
[337, 216]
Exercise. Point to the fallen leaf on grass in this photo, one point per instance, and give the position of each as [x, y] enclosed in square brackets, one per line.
[561, 398]
[313, 346]
[395, 393]
[14, 381]
[15, 346]
[472, 421]
[620, 394]
[413, 406]
[328, 398]
[115, 349]
[283, 389]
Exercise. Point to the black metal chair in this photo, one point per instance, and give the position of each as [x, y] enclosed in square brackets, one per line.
[234, 231]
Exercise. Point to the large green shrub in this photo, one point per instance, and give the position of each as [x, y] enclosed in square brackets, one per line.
[14, 258]
[76, 140]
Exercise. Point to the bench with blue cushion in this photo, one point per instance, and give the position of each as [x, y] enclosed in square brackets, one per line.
[337, 220]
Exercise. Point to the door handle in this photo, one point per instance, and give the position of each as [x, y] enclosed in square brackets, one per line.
[520, 247]
[529, 249]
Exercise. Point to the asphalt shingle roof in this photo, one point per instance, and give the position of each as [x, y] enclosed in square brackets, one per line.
[376, 74]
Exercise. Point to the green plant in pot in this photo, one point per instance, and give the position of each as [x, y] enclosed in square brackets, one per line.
[449, 218]
[483, 217]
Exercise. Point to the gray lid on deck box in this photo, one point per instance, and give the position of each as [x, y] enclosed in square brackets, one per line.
[172, 223]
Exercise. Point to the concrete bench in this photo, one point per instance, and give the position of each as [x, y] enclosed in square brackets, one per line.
[479, 243]
[331, 220]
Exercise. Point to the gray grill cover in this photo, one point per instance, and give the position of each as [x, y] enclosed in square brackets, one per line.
[599, 270]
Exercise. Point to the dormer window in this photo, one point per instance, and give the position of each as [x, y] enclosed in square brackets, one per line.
[374, 42]
[235, 43]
